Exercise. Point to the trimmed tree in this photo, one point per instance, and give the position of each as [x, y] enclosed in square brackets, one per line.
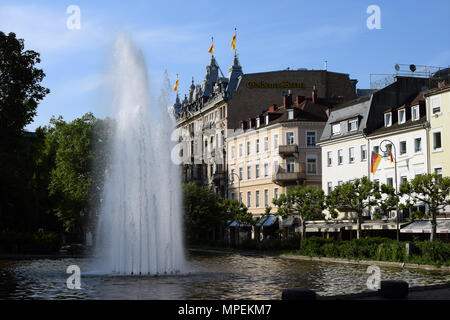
[305, 202]
[429, 189]
[355, 196]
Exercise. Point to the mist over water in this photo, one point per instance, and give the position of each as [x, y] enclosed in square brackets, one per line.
[140, 228]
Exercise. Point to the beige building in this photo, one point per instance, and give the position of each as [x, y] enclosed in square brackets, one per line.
[276, 150]
[438, 116]
[217, 105]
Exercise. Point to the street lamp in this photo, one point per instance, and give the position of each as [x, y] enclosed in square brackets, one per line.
[239, 185]
[386, 150]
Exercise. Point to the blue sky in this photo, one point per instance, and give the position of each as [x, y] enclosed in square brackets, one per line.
[175, 36]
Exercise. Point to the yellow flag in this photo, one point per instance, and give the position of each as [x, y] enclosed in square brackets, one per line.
[175, 87]
[211, 48]
[233, 42]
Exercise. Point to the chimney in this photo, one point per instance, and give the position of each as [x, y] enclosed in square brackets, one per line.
[272, 108]
[287, 100]
[314, 95]
[299, 100]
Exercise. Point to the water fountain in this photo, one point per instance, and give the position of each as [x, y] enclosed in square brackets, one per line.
[140, 230]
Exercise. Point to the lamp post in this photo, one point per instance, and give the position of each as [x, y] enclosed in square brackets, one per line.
[385, 150]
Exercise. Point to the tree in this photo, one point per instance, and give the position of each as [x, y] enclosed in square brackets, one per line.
[20, 93]
[389, 203]
[237, 211]
[72, 180]
[306, 202]
[203, 210]
[430, 189]
[355, 196]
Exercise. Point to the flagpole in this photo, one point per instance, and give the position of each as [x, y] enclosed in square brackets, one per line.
[396, 183]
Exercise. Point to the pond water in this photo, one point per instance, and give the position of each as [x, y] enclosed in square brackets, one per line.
[212, 276]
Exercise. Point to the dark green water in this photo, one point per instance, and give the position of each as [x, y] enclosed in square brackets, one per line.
[212, 276]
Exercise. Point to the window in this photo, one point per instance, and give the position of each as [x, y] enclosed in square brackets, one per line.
[249, 172]
[289, 138]
[275, 141]
[266, 169]
[232, 175]
[257, 198]
[256, 171]
[257, 122]
[340, 182]
[388, 119]
[275, 193]
[353, 125]
[336, 129]
[329, 187]
[267, 119]
[340, 156]
[390, 181]
[402, 147]
[241, 173]
[363, 152]
[417, 144]
[233, 196]
[351, 155]
[438, 171]
[403, 179]
[329, 158]
[437, 144]
[310, 139]
[290, 114]
[249, 199]
[290, 165]
[376, 149]
[311, 165]
[266, 143]
[240, 149]
[401, 116]
[415, 113]
[248, 147]
[436, 105]
[257, 145]
[266, 197]
[232, 152]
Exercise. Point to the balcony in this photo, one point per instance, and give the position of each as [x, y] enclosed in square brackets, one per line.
[289, 150]
[284, 177]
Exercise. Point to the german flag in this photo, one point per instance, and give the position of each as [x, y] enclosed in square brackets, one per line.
[376, 158]
[175, 87]
[233, 42]
[211, 48]
[391, 158]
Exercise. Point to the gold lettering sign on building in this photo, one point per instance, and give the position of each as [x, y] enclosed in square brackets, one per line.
[276, 85]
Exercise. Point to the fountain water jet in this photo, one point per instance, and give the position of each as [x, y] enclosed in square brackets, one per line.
[139, 229]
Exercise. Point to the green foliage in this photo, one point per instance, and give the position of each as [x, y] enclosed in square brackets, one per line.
[75, 183]
[430, 189]
[205, 210]
[25, 242]
[380, 249]
[20, 92]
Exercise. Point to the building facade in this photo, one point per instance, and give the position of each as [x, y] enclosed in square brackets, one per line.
[219, 103]
[357, 128]
[276, 150]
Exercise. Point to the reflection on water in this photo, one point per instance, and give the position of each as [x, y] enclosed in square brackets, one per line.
[213, 276]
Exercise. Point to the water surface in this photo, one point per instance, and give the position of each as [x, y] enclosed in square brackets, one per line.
[212, 276]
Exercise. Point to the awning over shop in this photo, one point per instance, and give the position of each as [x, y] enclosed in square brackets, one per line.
[376, 225]
[270, 221]
[442, 226]
[236, 224]
[325, 227]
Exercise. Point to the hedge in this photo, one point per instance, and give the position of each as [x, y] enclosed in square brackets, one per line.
[22, 242]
